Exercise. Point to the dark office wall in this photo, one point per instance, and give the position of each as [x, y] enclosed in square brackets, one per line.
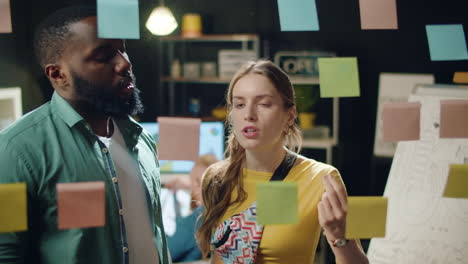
[403, 50]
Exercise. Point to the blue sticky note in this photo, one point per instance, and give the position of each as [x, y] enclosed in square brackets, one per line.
[298, 15]
[446, 42]
[118, 19]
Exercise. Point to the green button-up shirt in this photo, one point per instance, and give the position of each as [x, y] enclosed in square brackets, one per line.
[54, 144]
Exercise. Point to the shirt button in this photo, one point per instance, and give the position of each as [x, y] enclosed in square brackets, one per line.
[125, 249]
[121, 212]
[114, 179]
[105, 150]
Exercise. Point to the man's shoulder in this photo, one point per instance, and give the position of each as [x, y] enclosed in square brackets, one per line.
[27, 127]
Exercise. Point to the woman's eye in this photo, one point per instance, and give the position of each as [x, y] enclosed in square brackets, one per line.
[238, 105]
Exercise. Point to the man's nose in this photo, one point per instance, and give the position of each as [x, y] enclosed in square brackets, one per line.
[123, 65]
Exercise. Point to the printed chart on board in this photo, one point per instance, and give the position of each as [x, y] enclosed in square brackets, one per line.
[394, 87]
[423, 226]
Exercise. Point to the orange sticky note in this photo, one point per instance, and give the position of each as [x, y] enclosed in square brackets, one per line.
[453, 115]
[401, 121]
[179, 138]
[13, 209]
[460, 77]
[378, 14]
[5, 16]
[457, 181]
[81, 204]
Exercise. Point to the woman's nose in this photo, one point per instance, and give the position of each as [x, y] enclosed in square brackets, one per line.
[250, 113]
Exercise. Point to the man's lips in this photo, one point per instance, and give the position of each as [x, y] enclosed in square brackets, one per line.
[126, 86]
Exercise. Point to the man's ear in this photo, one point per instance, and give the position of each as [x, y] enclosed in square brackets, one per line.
[57, 77]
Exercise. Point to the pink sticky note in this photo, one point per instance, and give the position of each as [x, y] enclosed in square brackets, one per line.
[401, 121]
[81, 204]
[452, 119]
[378, 14]
[5, 17]
[179, 138]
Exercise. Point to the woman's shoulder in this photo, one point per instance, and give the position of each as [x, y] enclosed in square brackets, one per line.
[312, 164]
[312, 167]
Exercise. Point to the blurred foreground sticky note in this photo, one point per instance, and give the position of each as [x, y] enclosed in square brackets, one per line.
[401, 121]
[298, 15]
[338, 77]
[179, 138]
[453, 115]
[378, 14]
[277, 203]
[460, 77]
[13, 209]
[81, 204]
[457, 181]
[118, 19]
[5, 16]
[446, 42]
[367, 217]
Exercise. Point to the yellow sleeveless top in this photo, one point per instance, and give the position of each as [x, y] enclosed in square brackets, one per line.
[290, 243]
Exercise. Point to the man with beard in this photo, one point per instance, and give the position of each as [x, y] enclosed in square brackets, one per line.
[84, 134]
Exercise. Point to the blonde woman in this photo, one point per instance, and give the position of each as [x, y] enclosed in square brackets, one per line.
[263, 133]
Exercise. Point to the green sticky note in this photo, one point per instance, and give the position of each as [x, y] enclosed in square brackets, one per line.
[277, 203]
[298, 15]
[446, 42]
[367, 217]
[118, 19]
[13, 210]
[457, 181]
[338, 77]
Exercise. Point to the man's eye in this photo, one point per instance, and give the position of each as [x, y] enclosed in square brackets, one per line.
[104, 57]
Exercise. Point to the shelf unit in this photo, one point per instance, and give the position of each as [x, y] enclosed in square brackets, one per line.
[246, 41]
[170, 83]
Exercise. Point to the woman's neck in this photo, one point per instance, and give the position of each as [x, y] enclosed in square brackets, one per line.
[264, 160]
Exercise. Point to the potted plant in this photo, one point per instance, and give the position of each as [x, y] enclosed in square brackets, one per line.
[307, 97]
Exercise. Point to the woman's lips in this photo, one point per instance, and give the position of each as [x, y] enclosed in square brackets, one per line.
[250, 132]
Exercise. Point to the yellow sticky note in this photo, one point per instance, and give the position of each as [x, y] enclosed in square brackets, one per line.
[277, 203]
[457, 181]
[367, 217]
[460, 77]
[13, 211]
[339, 77]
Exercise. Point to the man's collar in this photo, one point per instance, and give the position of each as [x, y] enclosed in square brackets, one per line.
[64, 110]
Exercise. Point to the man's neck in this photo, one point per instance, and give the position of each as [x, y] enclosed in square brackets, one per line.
[101, 124]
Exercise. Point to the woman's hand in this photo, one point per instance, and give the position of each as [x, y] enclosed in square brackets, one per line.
[332, 209]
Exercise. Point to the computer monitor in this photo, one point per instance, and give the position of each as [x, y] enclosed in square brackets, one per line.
[211, 142]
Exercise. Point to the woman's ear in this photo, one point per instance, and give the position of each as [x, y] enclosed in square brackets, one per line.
[291, 115]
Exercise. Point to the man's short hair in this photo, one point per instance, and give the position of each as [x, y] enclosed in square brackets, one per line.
[52, 34]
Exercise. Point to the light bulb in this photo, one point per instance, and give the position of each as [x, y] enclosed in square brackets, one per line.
[161, 21]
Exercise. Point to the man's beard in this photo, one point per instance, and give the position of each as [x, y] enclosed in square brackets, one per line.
[102, 100]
